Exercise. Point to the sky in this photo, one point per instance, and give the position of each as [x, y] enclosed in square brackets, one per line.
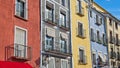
[112, 6]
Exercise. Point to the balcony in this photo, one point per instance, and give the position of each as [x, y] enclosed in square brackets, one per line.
[117, 42]
[18, 52]
[80, 10]
[56, 50]
[98, 22]
[99, 40]
[118, 57]
[112, 55]
[112, 40]
[105, 41]
[82, 33]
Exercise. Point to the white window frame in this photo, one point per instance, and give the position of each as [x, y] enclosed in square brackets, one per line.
[81, 48]
[65, 61]
[51, 8]
[53, 61]
[25, 9]
[48, 35]
[66, 14]
[17, 27]
[46, 39]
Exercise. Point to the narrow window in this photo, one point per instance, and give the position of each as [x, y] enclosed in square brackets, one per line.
[49, 14]
[20, 43]
[81, 55]
[63, 2]
[62, 19]
[49, 43]
[63, 45]
[80, 29]
[21, 8]
[90, 13]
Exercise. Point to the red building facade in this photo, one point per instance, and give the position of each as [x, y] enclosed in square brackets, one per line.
[20, 31]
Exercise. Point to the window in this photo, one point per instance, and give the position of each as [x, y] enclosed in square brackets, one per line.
[80, 9]
[80, 29]
[101, 20]
[49, 43]
[20, 39]
[51, 63]
[49, 14]
[117, 40]
[98, 36]
[92, 34]
[64, 63]
[63, 45]
[62, 20]
[111, 37]
[110, 21]
[94, 59]
[21, 8]
[97, 19]
[63, 2]
[116, 25]
[81, 55]
[104, 39]
[90, 13]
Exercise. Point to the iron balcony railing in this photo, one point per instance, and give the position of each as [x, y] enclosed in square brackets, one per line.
[82, 33]
[118, 56]
[112, 55]
[56, 48]
[83, 60]
[49, 18]
[93, 37]
[99, 40]
[64, 24]
[117, 41]
[80, 10]
[112, 40]
[19, 52]
[98, 21]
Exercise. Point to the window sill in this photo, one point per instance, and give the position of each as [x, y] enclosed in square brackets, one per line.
[21, 18]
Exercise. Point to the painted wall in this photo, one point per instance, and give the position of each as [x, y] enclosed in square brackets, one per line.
[97, 47]
[8, 21]
[78, 42]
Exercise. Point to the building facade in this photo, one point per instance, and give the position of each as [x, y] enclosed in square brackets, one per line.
[55, 38]
[20, 32]
[98, 38]
[81, 50]
[113, 34]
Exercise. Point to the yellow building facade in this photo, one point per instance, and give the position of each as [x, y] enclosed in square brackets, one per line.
[81, 49]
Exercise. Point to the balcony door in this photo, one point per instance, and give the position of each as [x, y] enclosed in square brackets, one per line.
[20, 43]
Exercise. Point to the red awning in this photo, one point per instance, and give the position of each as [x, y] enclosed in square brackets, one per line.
[8, 64]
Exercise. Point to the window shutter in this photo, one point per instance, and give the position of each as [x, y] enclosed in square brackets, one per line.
[51, 63]
[64, 64]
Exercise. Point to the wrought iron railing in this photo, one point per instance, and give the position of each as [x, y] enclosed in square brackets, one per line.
[18, 52]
